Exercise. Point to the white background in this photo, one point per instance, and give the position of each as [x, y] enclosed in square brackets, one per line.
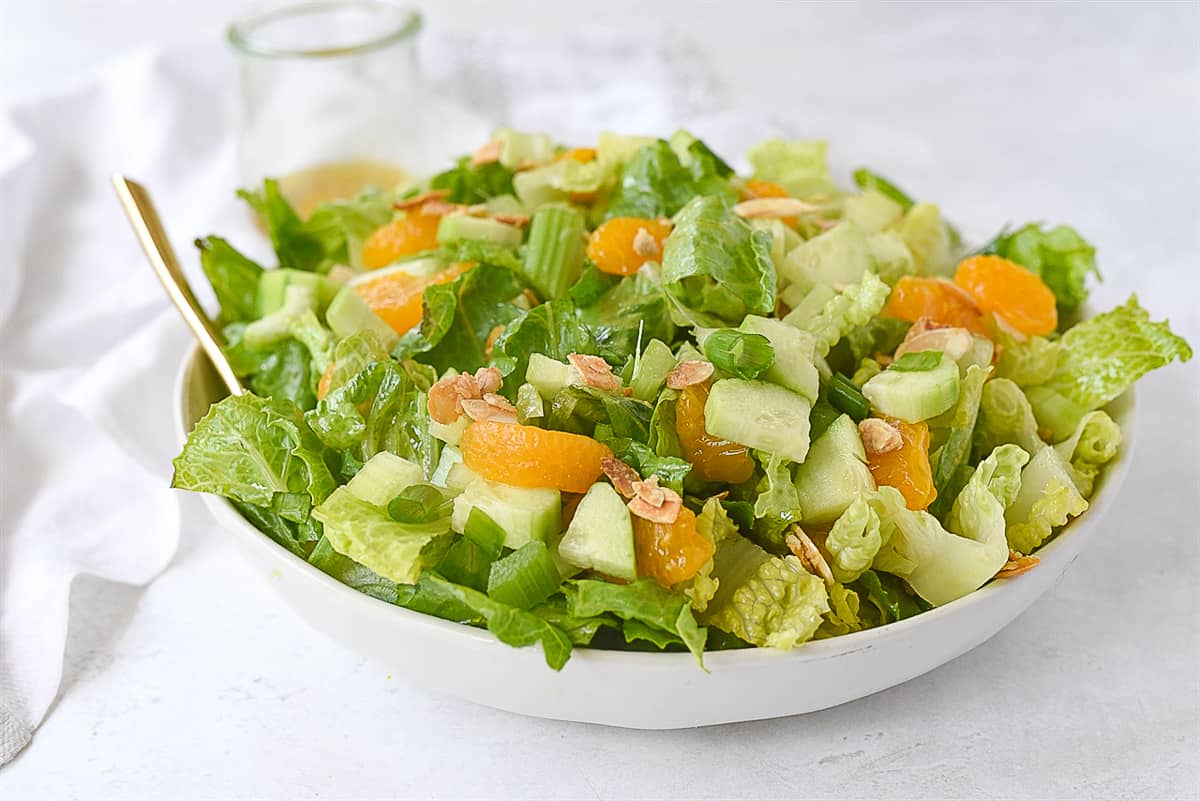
[204, 686]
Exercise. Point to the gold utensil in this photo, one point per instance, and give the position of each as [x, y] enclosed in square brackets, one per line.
[150, 233]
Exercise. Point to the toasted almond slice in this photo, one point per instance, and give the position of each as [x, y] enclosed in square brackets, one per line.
[644, 244]
[488, 380]
[1017, 564]
[687, 373]
[481, 410]
[439, 208]
[421, 199]
[809, 555]
[595, 371]
[621, 475]
[773, 207]
[650, 492]
[519, 220]
[490, 344]
[879, 436]
[954, 342]
[446, 397]
[665, 512]
[488, 153]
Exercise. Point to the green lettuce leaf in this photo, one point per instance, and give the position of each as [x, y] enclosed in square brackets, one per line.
[853, 541]
[257, 451]
[460, 316]
[843, 616]
[890, 595]
[1026, 363]
[763, 599]
[1094, 444]
[282, 371]
[552, 329]
[296, 538]
[637, 307]
[929, 239]
[717, 266]
[474, 184]
[1047, 500]
[1099, 359]
[671, 470]
[714, 525]
[1005, 416]
[581, 410]
[1059, 255]
[655, 184]
[365, 533]
[849, 308]
[234, 279]
[352, 355]
[342, 226]
[643, 601]
[295, 247]
[800, 167]
[944, 564]
[351, 573]
[382, 408]
[580, 630]
[777, 506]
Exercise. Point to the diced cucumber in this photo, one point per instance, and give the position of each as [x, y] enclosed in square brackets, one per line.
[535, 188]
[652, 368]
[348, 313]
[520, 149]
[759, 415]
[914, 396]
[383, 477]
[808, 304]
[459, 477]
[449, 433]
[600, 535]
[980, 354]
[794, 366]
[872, 211]
[893, 259]
[840, 255]
[454, 227]
[834, 474]
[506, 204]
[549, 376]
[924, 231]
[450, 456]
[273, 284]
[524, 514]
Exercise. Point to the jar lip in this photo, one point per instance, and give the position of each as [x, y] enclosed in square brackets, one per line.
[243, 33]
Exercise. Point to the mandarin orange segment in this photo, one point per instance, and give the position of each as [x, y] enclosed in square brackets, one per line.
[942, 301]
[714, 459]
[527, 456]
[396, 295]
[1010, 292]
[411, 233]
[670, 552]
[616, 247]
[581, 154]
[907, 468]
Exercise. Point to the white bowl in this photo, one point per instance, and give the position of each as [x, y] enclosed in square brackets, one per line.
[636, 689]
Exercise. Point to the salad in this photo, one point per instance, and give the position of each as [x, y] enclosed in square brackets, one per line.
[624, 397]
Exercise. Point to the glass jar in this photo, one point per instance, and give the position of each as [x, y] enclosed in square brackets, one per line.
[330, 98]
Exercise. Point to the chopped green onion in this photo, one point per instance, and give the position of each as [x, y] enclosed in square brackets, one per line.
[865, 179]
[525, 577]
[739, 353]
[846, 397]
[820, 418]
[420, 503]
[554, 254]
[467, 564]
[484, 532]
[917, 362]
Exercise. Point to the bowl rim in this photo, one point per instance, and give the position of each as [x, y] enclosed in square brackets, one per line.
[1055, 555]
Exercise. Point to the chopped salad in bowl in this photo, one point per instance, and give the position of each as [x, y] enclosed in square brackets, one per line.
[624, 397]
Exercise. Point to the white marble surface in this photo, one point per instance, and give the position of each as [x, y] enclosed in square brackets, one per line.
[204, 686]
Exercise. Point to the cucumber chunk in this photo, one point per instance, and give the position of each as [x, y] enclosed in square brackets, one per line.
[759, 415]
[872, 211]
[655, 364]
[383, 477]
[348, 314]
[523, 514]
[454, 227]
[795, 352]
[600, 535]
[273, 284]
[834, 474]
[914, 396]
[548, 376]
[840, 255]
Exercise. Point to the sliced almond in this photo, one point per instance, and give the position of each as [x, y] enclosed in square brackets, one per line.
[954, 342]
[621, 475]
[1017, 564]
[481, 410]
[421, 199]
[654, 503]
[644, 244]
[488, 380]
[439, 208]
[650, 492]
[690, 372]
[488, 153]
[519, 220]
[809, 555]
[595, 371]
[879, 436]
[777, 207]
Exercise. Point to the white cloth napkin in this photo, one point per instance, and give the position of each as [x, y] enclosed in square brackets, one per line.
[89, 347]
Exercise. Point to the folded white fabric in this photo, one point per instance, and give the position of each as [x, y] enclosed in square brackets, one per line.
[88, 345]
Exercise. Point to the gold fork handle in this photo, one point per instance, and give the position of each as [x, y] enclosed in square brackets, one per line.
[153, 237]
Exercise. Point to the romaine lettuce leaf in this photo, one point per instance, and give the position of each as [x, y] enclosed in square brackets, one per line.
[637, 307]
[765, 600]
[257, 451]
[890, 596]
[655, 184]
[581, 410]
[800, 167]
[1048, 499]
[1005, 416]
[853, 541]
[714, 525]
[352, 355]
[460, 316]
[643, 601]
[296, 247]
[929, 239]
[1094, 444]
[1060, 256]
[843, 615]
[342, 226]
[234, 279]
[848, 309]
[777, 506]
[1100, 358]
[1026, 363]
[552, 329]
[282, 370]
[671, 470]
[943, 564]
[717, 266]
[382, 408]
[351, 573]
[474, 184]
